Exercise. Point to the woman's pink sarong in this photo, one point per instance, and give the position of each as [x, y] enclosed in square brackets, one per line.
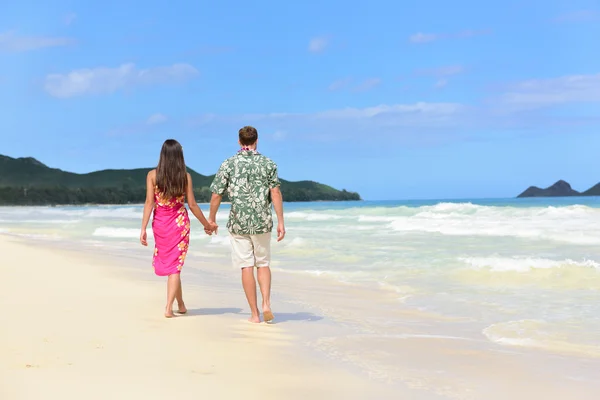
[171, 227]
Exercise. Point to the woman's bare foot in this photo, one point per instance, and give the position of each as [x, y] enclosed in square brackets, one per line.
[181, 308]
[255, 319]
[169, 313]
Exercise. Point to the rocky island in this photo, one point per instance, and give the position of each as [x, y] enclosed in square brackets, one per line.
[559, 189]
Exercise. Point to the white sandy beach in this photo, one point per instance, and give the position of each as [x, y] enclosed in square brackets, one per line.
[74, 328]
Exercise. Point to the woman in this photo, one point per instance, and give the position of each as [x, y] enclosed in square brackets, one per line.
[167, 187]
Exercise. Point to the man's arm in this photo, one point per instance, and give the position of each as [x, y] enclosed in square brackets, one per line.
[215, 202]
[277, 199]
[218, 187]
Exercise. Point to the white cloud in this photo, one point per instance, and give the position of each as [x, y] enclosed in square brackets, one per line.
[397, 110]
[149, 124]
[517, 109]
[441, 74]
[102, 80]
[9, 41]
[447, 70]
[397, 115]
[279, 135]
[421, 38]
[156, 119]
[368, 84]
[318, 44]
[538, 93]
[339, 84]
[70, 18]
[441, 83]
[580, 16]
[415, 123]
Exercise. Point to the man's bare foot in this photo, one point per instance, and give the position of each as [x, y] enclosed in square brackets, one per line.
[181, 308]
[255, 319]
[267, 313]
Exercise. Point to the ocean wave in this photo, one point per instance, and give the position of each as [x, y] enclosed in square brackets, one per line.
[79, 212]
[524, 272]
[572, 224]
[542, 335]
[296, 242]
[374, 218]
[34, 236]
[114, 213]
[524, 264]
[124, 233]
[220, 240]
[40, 221]
[312, 216]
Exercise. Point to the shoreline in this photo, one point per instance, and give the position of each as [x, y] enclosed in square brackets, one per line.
[59, 339]
[100, 327]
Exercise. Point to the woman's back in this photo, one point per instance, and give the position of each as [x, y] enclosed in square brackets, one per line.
[162, 201]
[167, 188]
[171, 223]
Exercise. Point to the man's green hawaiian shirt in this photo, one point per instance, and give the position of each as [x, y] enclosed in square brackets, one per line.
[248, 178]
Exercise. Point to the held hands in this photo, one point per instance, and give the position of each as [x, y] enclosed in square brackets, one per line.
[211, 228]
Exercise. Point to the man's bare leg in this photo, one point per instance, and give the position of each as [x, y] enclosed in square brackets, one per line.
[172, 283]
[249, 284]
[179, 297]
[264, 281]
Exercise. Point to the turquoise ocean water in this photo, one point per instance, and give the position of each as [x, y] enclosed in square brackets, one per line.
[515, 273]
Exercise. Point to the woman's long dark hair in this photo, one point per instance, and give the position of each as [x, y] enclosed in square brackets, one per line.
[171, 174]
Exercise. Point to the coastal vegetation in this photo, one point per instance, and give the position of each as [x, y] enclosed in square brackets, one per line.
[27, 181]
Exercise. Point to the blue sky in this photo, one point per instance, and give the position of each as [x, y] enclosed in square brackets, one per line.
[437, 100]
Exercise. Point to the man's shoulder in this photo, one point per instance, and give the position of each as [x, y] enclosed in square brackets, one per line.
[228, 161]
[267, 161]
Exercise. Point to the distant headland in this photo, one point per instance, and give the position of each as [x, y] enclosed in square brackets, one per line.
[27, 181]
[559, 189]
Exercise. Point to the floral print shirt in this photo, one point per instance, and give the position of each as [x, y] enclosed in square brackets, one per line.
[248, 178]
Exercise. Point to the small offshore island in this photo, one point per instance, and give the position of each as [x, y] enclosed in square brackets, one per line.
[27, 181]
[559, 189]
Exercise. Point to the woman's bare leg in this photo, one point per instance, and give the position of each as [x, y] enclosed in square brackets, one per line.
[172, 284]
[179, 297]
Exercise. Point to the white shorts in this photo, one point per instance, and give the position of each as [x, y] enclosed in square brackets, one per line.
[251, 250]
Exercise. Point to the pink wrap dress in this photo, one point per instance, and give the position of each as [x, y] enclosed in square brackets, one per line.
[171, 228]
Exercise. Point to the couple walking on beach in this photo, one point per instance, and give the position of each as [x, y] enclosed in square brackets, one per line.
[252, 185]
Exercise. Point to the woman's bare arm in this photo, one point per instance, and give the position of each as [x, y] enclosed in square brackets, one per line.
[148, 204]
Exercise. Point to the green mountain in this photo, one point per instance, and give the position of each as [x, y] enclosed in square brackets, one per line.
[26, 181]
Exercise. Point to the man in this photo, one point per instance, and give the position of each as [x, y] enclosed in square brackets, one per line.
[251, 182]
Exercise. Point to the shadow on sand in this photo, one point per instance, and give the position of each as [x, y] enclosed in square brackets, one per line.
[299, 316]
[214, 311]
[279, 317]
